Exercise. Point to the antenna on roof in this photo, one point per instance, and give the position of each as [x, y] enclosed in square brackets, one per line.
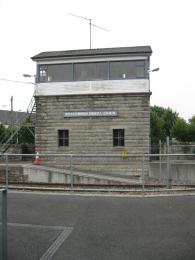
[90, 24]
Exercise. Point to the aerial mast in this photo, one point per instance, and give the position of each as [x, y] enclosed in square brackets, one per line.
[90, 25]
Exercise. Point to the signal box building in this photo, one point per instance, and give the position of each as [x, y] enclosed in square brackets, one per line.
[93, 101]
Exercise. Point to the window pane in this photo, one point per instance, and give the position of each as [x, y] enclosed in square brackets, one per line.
[91, 71]
[63, 137]
[42, 73]
[60, 72]
[140, 71]
[126, 69]
[118, 137]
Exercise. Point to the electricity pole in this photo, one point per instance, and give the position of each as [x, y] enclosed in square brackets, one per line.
[11, 111]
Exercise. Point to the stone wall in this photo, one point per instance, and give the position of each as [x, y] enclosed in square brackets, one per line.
[93, 135]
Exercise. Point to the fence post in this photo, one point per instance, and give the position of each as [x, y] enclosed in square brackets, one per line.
[160, 158]
[169, 186]
[6, 172]
[4, 224]
[143, 185]
[71, 173]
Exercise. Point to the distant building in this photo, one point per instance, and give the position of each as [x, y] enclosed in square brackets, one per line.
[10, 117]
[94, 101]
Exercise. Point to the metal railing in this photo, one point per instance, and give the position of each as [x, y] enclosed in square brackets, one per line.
[136, 171]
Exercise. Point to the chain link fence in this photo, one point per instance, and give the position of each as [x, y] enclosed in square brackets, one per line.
[136, 171]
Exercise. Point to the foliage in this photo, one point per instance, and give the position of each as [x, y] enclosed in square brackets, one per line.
[157, 131]
[161, 121]
[25, 135]
[180, 130]
[192, 120]
[166, 122]
[184, 131]
[2, 132]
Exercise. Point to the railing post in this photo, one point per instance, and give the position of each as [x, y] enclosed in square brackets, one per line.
[6, 172]
[160, 158]
[71, 173]
[143, 184]
[4, 225]
[169, 186]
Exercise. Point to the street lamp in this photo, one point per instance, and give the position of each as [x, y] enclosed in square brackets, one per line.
[154, 70]
[28, 76]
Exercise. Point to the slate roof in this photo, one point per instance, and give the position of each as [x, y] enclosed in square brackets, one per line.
[7, 118]
[139, 50]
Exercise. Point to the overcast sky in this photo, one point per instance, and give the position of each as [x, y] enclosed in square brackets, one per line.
[29, 27]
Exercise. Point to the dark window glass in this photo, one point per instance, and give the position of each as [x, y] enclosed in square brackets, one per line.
[59, 72]
[63, 137]
[55, 72]
[91, 71]
[127, 69]
[118, 137]
[140, 71]
[43, 73]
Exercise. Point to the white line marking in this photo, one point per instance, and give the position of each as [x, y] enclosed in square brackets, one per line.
[56, 244]
[37, 226]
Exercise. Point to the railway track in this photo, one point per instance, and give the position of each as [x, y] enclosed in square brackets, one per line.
[122, 189]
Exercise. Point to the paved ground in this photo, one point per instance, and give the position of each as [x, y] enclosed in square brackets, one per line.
[100, 228]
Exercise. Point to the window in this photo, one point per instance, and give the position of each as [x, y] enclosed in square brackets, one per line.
[140, 70]
[55, 72]
[91, 71]
[60, 72]
[127, 69]
[42, 73]
[63, 137]
[118, 137]
[103, 70]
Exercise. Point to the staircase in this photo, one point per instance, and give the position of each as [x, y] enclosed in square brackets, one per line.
[28, 120]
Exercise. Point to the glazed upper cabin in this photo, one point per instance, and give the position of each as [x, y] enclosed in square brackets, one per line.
[93, 71]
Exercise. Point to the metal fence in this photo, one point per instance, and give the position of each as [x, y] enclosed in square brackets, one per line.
[119, 171]
[172, 147]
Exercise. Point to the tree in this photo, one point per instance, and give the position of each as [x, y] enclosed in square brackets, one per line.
[191, 130]
[192, 120]
[180, 130]
[161, 122]
[25, 136]
[157, 131]
[169, 117]
[183, 131]
[2, 132]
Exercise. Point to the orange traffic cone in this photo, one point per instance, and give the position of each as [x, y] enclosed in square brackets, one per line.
[37, 160]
